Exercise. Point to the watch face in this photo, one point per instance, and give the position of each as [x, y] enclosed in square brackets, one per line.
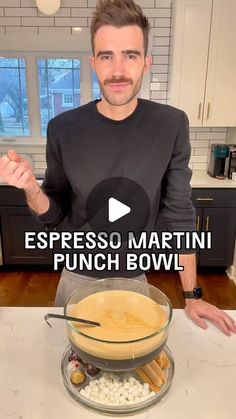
[198, 292]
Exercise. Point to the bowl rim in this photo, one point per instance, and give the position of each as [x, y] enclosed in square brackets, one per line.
[123, 341]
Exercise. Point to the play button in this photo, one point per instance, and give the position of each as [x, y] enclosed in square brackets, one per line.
[117, 210]
[118, 205]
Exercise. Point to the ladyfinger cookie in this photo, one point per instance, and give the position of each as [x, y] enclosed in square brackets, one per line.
[156, 367]
[147, 380]
[163, 360]
[152, 375]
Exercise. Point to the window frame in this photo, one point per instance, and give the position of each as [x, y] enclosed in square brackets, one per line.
[76, 45]
[10, 138]
[84, 58]
[32, 87]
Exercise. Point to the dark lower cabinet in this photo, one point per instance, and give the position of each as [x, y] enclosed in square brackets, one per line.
[15, 221]
[216, 212]
[221, 223]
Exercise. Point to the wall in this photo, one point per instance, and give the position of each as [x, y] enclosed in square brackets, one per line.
[231, 136]
[22, 17]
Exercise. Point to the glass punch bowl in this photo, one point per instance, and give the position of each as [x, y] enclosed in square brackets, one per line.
[134, 321]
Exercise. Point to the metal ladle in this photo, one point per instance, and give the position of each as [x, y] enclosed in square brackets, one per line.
[74, 319]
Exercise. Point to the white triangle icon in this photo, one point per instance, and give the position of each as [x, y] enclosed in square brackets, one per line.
[116, 210]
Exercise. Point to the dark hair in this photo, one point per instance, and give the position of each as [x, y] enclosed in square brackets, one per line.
[119, 13]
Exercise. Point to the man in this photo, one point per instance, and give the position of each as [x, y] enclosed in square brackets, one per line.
[119, 135]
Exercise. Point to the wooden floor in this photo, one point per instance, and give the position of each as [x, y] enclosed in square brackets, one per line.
[38, 288]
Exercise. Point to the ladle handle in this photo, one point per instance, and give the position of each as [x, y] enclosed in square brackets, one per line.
[74, 319]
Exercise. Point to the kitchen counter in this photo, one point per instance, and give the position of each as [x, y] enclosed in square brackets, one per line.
[201, 179]
[32, 388]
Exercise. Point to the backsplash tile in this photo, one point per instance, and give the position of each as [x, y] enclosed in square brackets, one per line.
[201, 140]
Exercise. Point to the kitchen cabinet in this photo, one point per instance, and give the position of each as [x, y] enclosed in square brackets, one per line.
[216, 212]
[15, 220]
[203, 77]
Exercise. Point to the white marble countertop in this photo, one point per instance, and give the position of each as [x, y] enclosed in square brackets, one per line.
[201, 179]
[32, 388]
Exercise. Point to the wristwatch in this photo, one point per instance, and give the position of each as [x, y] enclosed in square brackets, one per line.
[196, 293]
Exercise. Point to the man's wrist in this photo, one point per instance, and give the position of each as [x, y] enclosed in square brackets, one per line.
[190, 301]
[32, 193]
[37, 200]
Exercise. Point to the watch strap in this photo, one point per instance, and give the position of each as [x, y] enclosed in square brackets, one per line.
[196, 293]
[189, 294]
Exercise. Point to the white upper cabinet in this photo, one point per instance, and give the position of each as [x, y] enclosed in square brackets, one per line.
[203, 66]
[220, 98]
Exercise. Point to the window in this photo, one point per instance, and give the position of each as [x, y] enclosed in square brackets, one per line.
[96, 94]
[14, 118]
[67, 100]
[59, 87]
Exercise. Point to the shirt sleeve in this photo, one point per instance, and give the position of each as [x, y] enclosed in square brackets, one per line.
[55, 185]
[176, 204]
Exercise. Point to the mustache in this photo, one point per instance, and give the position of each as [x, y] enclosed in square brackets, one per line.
[120, 79]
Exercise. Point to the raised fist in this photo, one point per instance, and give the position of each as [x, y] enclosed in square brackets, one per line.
[16, 171]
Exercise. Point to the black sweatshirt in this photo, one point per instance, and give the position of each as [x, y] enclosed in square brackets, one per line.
[151, 147]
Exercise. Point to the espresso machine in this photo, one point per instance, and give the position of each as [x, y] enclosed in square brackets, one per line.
[232, 162]
[218, 160]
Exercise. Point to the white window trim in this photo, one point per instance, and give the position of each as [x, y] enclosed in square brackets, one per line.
[75, 46]
[33, 90]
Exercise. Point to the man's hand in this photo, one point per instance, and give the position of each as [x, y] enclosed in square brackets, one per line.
[198, 310]
[17, 172]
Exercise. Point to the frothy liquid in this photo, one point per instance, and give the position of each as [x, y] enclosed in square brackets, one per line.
[125, 317]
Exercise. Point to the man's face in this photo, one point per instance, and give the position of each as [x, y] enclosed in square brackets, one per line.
[119, 62]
